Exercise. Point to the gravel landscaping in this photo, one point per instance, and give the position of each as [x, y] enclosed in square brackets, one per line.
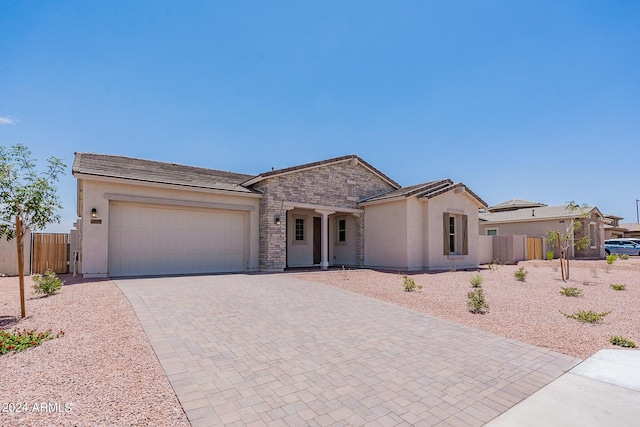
[529, 311]
[101, 372]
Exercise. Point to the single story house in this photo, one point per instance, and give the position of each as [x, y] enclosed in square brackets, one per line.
[141, 217]
[536, 219]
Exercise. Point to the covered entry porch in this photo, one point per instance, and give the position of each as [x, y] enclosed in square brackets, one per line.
[323, 236]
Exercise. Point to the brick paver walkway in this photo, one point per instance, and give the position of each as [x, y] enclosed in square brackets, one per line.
[274, 350]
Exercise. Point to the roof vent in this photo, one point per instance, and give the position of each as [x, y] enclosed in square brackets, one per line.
[272, 168]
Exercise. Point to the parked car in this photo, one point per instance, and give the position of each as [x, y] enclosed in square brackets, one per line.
[622, 246]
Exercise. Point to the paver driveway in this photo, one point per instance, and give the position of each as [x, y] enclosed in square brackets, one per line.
[274, 350]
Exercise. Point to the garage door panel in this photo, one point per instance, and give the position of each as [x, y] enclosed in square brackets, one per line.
[150, 240]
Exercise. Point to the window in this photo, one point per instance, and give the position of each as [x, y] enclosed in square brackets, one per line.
[492, 232]
[593, 234]
[342, 230]
[299, 229]
[452, 234]
[455, 234]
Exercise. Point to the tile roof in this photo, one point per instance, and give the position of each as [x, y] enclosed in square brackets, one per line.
[514, 204]
[531, 214]
[110, 166]
[425, 190]
[276, 172]
[631, 226]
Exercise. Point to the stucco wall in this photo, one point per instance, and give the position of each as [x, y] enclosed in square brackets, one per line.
[454, 203]
[386, 235]
[485, 249]
[407, 234]
[94, 240]
[326, 185]
[540, 228]
[9, 255]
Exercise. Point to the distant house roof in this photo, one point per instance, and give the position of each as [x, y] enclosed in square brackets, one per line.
[425, 190]
[149, 171]
[533, 214]
[514, 204]
[633, 227]
[352, 157]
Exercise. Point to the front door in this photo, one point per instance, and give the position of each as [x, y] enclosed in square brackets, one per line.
[317, 240]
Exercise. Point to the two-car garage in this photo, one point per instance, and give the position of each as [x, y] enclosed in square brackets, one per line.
[147, 239]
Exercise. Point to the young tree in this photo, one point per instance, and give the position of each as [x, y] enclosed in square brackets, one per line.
[28, 199]
[565, 239]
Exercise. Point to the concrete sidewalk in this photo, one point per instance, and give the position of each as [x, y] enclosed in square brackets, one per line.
[604, 390]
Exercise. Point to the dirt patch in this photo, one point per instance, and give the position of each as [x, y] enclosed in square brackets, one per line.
[529, 311]
[103, 371]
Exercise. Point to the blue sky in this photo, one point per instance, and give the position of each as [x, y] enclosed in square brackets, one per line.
[538, 100]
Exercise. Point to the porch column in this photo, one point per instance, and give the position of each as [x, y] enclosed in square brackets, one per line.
[324, 263]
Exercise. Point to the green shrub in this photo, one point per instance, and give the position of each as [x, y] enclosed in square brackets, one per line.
[622, 342]
[409, 284]
[587, 316]
[47, 283]
[18, 340]
[521, 274]
[623, 256]
[493, 265]
[617, 287]
[550, 255]
[476, 302]
[611, 258]
[571, 292]
[476, 280]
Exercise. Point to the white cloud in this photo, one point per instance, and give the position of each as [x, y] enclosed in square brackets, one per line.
[8, 120]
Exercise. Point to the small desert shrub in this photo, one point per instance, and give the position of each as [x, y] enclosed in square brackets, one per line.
[19, 340]
[571, 292]
[47, 283]
[623, 256]
[521, 274]
[611, 258]
[476, 281]
[550, 255]
[622, 342]
[493, 266]
[618, 287]
[587, 316]
[409, 284]
[476, 302]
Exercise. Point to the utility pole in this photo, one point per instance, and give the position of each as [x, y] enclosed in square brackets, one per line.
[637, 216]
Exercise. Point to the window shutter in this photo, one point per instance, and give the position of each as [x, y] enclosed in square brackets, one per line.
[465, 236]
[445, 233]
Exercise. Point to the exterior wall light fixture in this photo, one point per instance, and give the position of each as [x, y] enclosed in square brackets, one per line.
[94, 213]
[277, 220]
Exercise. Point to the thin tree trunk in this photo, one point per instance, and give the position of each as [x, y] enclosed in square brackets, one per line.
[19, 235]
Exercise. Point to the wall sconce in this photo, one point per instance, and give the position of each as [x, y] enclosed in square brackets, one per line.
[277, 220]
[94, 213]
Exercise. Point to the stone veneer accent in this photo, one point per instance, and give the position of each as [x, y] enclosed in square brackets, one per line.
[324, 185]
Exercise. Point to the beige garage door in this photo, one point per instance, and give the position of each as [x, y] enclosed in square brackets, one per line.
[156, 240]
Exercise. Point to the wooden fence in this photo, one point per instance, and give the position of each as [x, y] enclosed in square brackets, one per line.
[50, 251]
[534, 248]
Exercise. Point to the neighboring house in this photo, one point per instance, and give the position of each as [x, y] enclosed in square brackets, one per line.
[514, 204]
[612, 228]
[537, 221]
[141, 217]
[631, 230]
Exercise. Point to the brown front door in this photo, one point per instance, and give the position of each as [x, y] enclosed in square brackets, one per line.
[317, 240]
